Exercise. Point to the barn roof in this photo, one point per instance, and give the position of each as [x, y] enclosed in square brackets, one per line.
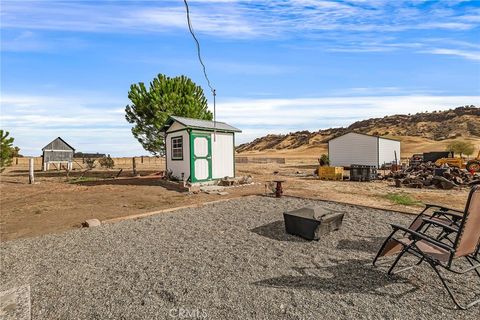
[58, 138]
[364, 134]
[200, 124]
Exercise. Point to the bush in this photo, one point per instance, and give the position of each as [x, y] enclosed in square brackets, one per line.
[324, 160]
[107, 162]
[90, 163]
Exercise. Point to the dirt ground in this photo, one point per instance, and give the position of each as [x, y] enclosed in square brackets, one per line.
[54, 204]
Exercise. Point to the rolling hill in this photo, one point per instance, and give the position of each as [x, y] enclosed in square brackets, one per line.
[420, 132]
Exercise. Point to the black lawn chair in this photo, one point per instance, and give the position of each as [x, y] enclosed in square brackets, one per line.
[460, 237]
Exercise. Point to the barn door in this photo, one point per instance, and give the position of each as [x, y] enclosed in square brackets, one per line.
[201, 157]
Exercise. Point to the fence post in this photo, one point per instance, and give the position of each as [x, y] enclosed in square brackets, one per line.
[31, 177]
[134, 166]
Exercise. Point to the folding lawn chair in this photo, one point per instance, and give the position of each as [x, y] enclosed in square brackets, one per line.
[424, 220]
[438, 253]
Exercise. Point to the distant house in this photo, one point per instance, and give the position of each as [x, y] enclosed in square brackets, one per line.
[199, 150]
[363, 149]
[85, 155]
[56, 153]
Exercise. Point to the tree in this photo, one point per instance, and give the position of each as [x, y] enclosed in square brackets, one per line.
[461, 147]
[150, 109]
[6, 149]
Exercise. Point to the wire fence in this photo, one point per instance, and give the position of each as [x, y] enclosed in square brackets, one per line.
[141, 163]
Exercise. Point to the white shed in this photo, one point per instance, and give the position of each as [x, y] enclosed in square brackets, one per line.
[364, 149]
[199, 150]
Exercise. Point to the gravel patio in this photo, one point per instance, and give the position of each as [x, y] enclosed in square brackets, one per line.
[229, 260]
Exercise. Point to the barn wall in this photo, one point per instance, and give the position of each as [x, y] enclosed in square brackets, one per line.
[353, 148]
[57, 144]
[222, 156]
[57, 155]
[178, 166]
[386, 152]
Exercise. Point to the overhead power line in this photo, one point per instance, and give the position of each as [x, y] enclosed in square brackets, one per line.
[198, 47]
[190, 28]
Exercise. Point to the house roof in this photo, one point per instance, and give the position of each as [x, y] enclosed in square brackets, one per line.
[200, 124]
[58, 138]
[364, 134]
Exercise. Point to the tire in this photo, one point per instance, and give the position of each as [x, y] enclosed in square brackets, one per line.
[473, 166]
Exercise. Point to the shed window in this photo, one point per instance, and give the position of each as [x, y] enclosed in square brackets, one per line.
[177, 148]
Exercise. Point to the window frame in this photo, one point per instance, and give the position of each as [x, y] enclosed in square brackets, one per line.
[172, 148]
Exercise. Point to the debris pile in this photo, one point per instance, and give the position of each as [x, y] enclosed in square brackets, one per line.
[428, 175]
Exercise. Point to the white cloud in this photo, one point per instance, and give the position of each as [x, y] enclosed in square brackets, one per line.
[471, 55]
[243, 19]
[259, 117]
[94, 123]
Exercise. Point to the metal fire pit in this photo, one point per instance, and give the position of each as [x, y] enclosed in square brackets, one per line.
[312, 222]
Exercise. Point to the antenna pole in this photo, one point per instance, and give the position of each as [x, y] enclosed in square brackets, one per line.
[214, 116]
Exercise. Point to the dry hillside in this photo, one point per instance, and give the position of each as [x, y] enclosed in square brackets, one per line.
[419, 132]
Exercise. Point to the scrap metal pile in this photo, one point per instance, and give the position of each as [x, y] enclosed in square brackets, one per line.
[428, 175]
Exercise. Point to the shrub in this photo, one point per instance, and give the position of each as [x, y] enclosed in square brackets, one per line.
[107, 162]
[90, 162]
[324, 160]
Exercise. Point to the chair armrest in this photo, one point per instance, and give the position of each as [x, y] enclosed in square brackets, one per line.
[453, 214]
[421, 236]
[442, 208]
[440, 224]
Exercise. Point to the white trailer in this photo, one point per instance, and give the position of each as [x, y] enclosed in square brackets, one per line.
[359, 148]
[199, 150]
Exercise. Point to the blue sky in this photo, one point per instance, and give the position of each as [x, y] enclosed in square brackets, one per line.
[278, 66]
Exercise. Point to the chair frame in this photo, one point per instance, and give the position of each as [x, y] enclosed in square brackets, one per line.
[453, 226]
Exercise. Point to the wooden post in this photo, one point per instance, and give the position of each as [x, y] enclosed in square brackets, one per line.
[134, 166]
[31, 177]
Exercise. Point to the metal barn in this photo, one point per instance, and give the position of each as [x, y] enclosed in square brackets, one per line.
[56, 153]
[199, 150]
[363, 149]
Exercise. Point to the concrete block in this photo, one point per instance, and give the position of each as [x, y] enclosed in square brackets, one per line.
[92, 223]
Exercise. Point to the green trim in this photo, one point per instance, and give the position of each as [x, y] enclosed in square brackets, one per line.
[192, 169]
[234, 169]
[212, 130]
[208, 157]
[171, 149]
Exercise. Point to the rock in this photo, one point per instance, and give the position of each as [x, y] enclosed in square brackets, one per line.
[91, 223]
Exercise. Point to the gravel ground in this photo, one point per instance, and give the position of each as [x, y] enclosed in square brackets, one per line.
[229, 260]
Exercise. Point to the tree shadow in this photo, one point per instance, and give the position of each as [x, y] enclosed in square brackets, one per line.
[367, 244]
[276, 231]
[347, 276]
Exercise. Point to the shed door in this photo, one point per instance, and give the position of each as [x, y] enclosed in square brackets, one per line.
[202, 157]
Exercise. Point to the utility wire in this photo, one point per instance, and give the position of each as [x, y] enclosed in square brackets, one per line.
[198, 47]
[190, 28]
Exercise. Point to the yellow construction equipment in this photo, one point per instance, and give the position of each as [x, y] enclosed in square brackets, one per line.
[460, 162]
[452, 162]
